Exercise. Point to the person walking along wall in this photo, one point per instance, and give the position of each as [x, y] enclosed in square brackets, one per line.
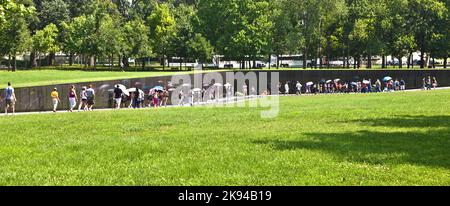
[55, 99]
[72, 98]
[10, 99]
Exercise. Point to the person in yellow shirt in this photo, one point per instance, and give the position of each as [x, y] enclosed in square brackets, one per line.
[55, 99]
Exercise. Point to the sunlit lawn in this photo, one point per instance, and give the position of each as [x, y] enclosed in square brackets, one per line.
[376, 139]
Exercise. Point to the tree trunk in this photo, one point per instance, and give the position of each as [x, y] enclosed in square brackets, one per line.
[383, 61]
[434, 63]
[95, 62]
[408, 61]
[14, 63]
[320, 61]
[70, 59]
[445, 61]
[278, 61]
[52, 57]
[164, 62]
[422, 59]
[400, 62]
[143, 63]
[305, 57]
[359, 61]
[270, 61]
[125, 62]
[111, 62]
[328, 52]
[9, 63]
[281, 61]
[33, 61]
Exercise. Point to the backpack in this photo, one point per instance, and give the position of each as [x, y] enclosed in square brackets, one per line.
[9, 92]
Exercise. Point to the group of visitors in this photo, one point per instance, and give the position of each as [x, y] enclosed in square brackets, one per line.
[159, 96]
[136, 98]
[339, 86]
[429, 83]
[86, 100]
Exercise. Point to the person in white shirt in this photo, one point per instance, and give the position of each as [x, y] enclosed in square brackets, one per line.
[299, 88]
[286, 88]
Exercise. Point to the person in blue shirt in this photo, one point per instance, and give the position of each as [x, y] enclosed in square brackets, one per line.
[10, 98]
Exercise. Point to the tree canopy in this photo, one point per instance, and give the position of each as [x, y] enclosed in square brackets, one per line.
[319, 31]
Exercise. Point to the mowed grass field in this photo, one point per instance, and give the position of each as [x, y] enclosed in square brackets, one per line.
[364, 139]
[51, 77]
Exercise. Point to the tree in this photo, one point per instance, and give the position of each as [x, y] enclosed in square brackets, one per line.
[111, 38]
[46, 40]
[137, 43]
[200, 49]
[424, 16]
[186, 19]
[14, 34]
[162, 27]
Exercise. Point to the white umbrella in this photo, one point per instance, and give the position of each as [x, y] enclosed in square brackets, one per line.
[309, 83]
[123, 88]
[186, 85]
[336, 80]
[227, 85]
[329, 81]
[218, 84]
[133, 90]
[366, 82]
[197, 90]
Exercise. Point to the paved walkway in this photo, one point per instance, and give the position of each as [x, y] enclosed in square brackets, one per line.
[213, 102]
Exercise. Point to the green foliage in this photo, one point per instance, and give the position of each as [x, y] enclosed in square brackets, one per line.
[45, 41]
[242, 30]
[162, 27]
[200, 48]
[137, 42]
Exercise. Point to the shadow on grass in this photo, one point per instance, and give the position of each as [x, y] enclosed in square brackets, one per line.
[407, 121]
[425, 147]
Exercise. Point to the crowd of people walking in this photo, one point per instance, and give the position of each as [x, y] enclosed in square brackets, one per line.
[386, 84]
[121, 97]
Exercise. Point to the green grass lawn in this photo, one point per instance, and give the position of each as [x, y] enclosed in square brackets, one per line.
[376, 139]
[50, 77]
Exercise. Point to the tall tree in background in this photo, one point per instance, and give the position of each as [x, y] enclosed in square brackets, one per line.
[14, 34]
[162, 27]
[46, 40]
[424, 17]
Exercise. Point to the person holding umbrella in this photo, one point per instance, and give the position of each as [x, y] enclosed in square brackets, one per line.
[137, 99]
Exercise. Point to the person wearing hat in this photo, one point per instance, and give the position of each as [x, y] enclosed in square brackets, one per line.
[55, 99]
